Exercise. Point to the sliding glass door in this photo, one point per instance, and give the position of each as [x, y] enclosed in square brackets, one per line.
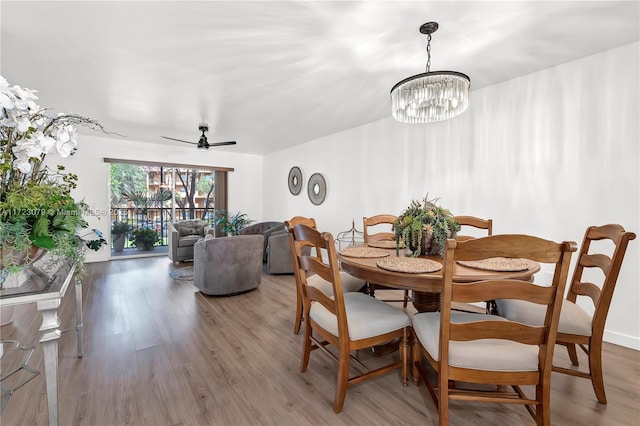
[146, 197]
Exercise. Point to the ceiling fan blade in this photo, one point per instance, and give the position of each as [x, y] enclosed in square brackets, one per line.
[222, 143]
[179, 140]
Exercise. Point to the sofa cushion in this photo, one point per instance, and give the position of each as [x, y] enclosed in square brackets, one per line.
[188, 240]
[190, 227]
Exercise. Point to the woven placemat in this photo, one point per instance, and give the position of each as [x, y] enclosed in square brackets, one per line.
[364, 252]
[413, 265]
[384, 244]
[498, 264]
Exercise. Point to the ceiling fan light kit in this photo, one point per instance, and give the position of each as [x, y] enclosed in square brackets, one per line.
[203, 143]
[431, 96]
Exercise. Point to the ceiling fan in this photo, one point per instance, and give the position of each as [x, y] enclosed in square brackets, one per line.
[202, 143]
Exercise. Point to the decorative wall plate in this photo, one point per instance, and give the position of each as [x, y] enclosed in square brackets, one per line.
[317, 188]
[295, 180]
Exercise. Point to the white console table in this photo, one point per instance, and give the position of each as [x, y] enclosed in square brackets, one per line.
[45, 283]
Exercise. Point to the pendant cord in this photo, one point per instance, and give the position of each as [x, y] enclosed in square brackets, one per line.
[428, 52]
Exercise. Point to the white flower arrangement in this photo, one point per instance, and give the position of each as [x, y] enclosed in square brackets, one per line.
[37, 210]
[27, 135]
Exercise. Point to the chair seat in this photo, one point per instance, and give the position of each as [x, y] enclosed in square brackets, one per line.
[367, 317]
[573, 319]
[483, 354]
[349, 283]
[189, 240]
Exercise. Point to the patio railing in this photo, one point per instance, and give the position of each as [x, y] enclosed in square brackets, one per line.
[156, 218]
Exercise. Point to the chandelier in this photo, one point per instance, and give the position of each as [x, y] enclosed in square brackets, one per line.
[430, 96]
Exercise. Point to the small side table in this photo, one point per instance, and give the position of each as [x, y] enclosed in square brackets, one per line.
[23, 373]
[45, 283]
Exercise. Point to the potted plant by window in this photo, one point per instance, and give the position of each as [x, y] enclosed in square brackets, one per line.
[37, 211]
[119, 233]
[231, 224]
[424, 227]
[145, 238]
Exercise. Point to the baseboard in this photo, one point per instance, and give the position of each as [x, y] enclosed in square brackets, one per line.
[631, 342]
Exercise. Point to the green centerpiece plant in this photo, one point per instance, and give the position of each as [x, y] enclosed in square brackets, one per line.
[424, 227]
[37, 211]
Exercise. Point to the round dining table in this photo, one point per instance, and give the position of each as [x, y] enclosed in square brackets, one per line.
[426, 286]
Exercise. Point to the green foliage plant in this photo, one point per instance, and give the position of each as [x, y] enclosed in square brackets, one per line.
[145, 238]
[231, 224]
[45, 216]
[120, 228]
[422, 218]
[16, 236]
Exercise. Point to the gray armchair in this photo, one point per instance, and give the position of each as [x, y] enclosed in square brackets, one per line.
[275, 252]
[279, 260]
[183, 235]
[265, 229]
[227, 265]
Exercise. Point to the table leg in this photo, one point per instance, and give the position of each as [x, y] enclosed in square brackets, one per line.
[79, 324]
[50, 334]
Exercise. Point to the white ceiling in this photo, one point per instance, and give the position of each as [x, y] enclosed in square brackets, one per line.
[275, 74]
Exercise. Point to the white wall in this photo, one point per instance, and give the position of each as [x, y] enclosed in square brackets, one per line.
[546, 154]
[245, 190]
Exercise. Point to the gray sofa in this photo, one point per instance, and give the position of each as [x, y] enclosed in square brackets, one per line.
[227, 265]
[183, 235]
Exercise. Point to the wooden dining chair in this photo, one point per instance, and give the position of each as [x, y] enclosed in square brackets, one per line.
[576, 327]
[369, 224]
[484, 349]
[349, 283]
[474, 222]
[482, 224]
[349, 321]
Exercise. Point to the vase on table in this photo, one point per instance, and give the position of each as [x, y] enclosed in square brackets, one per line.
[10, 256]
[427, 247]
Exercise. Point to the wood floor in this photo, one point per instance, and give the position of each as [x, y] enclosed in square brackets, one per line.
[157, 352]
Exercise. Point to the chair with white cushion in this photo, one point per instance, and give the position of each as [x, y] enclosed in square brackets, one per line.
[484, 349]
[348, 321]
[476, 223]
[349, 283]
[372, 224]
[576, 326]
